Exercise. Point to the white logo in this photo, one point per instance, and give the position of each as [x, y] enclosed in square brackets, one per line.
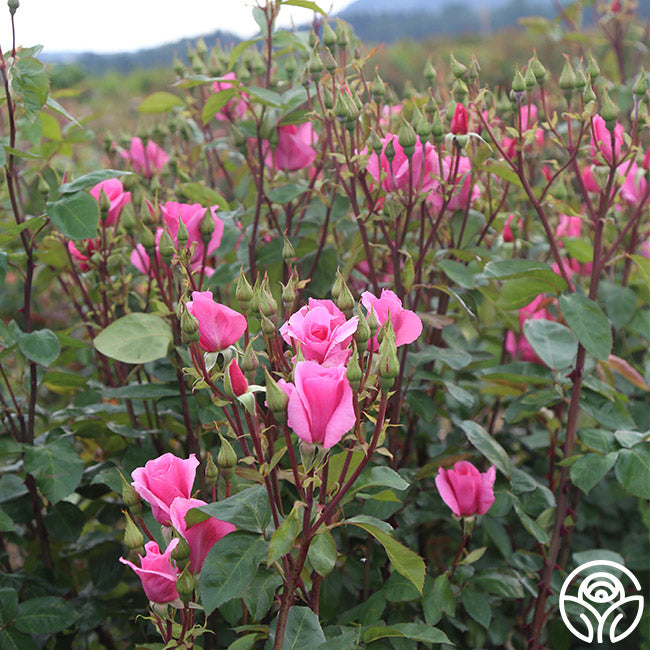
[601, 594]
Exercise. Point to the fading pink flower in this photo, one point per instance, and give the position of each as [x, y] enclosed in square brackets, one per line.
[219, 325]
[235, 107]
[157, 572]
[118, 198]
[465, 490]
[200, 537]
[146, 160]
[323, 332]
[163, 479]
[406, 323]
[294, 149]
[320, 409]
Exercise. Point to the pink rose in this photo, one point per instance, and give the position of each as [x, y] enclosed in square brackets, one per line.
[294, 149]
[465, 190]
[635, 185]
[118, 198]
[158, 572]
[460, 121]
[146, 160]
[507, 234]
[387, 113]
[235, 107]
[601, 140]
[406, 323]
[320, 409]
[323, 332]
[163, 479]
[191, 215]
[238, 382]
[140, 258]
[568, 226]
[396, 173]
[89, 246]
[528, 116]
[200, 537]
[219, 326]
[466, 490]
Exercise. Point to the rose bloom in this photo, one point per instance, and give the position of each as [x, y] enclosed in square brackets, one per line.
[294, 149]
[200, 537]
[322, 331]
[219, 325]
[157, 572]
[162, 480]
[81, 258]
[406, 323]
[146, 160]
[118, 198]
[507, 234]
[601, 140]
[466, 490]
[320, 409]
[235, 107]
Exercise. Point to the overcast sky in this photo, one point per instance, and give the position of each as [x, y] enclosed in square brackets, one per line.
[126, 25]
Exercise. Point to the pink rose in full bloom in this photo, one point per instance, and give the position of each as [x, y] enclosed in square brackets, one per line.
[320, 409]
[396, 174]
[294, 149]
[406, 323]
[89, 246]
[146, 160]
[466, 490]
[140, 258]
[162, 480]
[114, 191]
[219, 326]
[601, 140]
[323, 332]
[158, 572]
[191, 215]
[236, 107]
[200, 537]
[517, 346]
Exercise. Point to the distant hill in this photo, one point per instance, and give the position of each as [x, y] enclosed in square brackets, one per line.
[428, 6]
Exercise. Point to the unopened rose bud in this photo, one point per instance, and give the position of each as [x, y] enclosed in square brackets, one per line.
[148, 240]
[353, 371]
[249, 362]
[518, 82]
[345, 299]
[430, 73]
[457, 68]
[315, 65]
[291, 66]
[313, 37]
[133, 538]
[640, 87]
[593, 69]
[276, 399]
[378, 89]
[329, 35]
[389, 151]
[437, 127]
[234, 381]
[189, 327]
[328, 98]
[13, 6]
[460, 91]
[267, 305]
[288, 251]
[375, 143]
[243, 292]
[421, 125]
[362, 334]
[211, 470]
[128, 220]
[342, 38]
[166, 247]
[288, 293]
[226, 459]
[538, 70]
[460, 121]
[581, 80]
[407, 138]
[589, 95]
[608, 111]
[373, 322]
[567, 78]
[268, 326]
[329, 61]
[185, 585]
[181, 552]
[206, 226]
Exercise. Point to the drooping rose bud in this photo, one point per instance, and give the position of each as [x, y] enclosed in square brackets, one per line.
[459, 122]
[234, 380]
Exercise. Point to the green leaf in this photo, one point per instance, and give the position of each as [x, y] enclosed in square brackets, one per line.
[487, 445]
[306, 4]
[12, 639]
[260, 593]
[514, 268]
[135, 338]
[322, 553]
[633, 470]
[440, 599]
[6, 526]
[455, 359]
[502, 583]
[476, 605]
[160, 102]
[405, 561]
[65, 521]
[519, 292]
[141, 391]
[286, 193]
[4, 260]
[41, 347]
[554, 343]
[230, 567]
[608, 413]
[216, 102]
[243, 643]
[458, 272]
[8, 605]
[56, 466]
[380, 476]
[588, 323]
[45, 615]
[303, 631]
[590, 469]
[503, 170]
[237, 51]
[29, 80]
[75, 215]
[90, 180]
[247, 510]
[415, 631]
[285, 535]
[199, 193]
[530, 525]
[264, 95]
